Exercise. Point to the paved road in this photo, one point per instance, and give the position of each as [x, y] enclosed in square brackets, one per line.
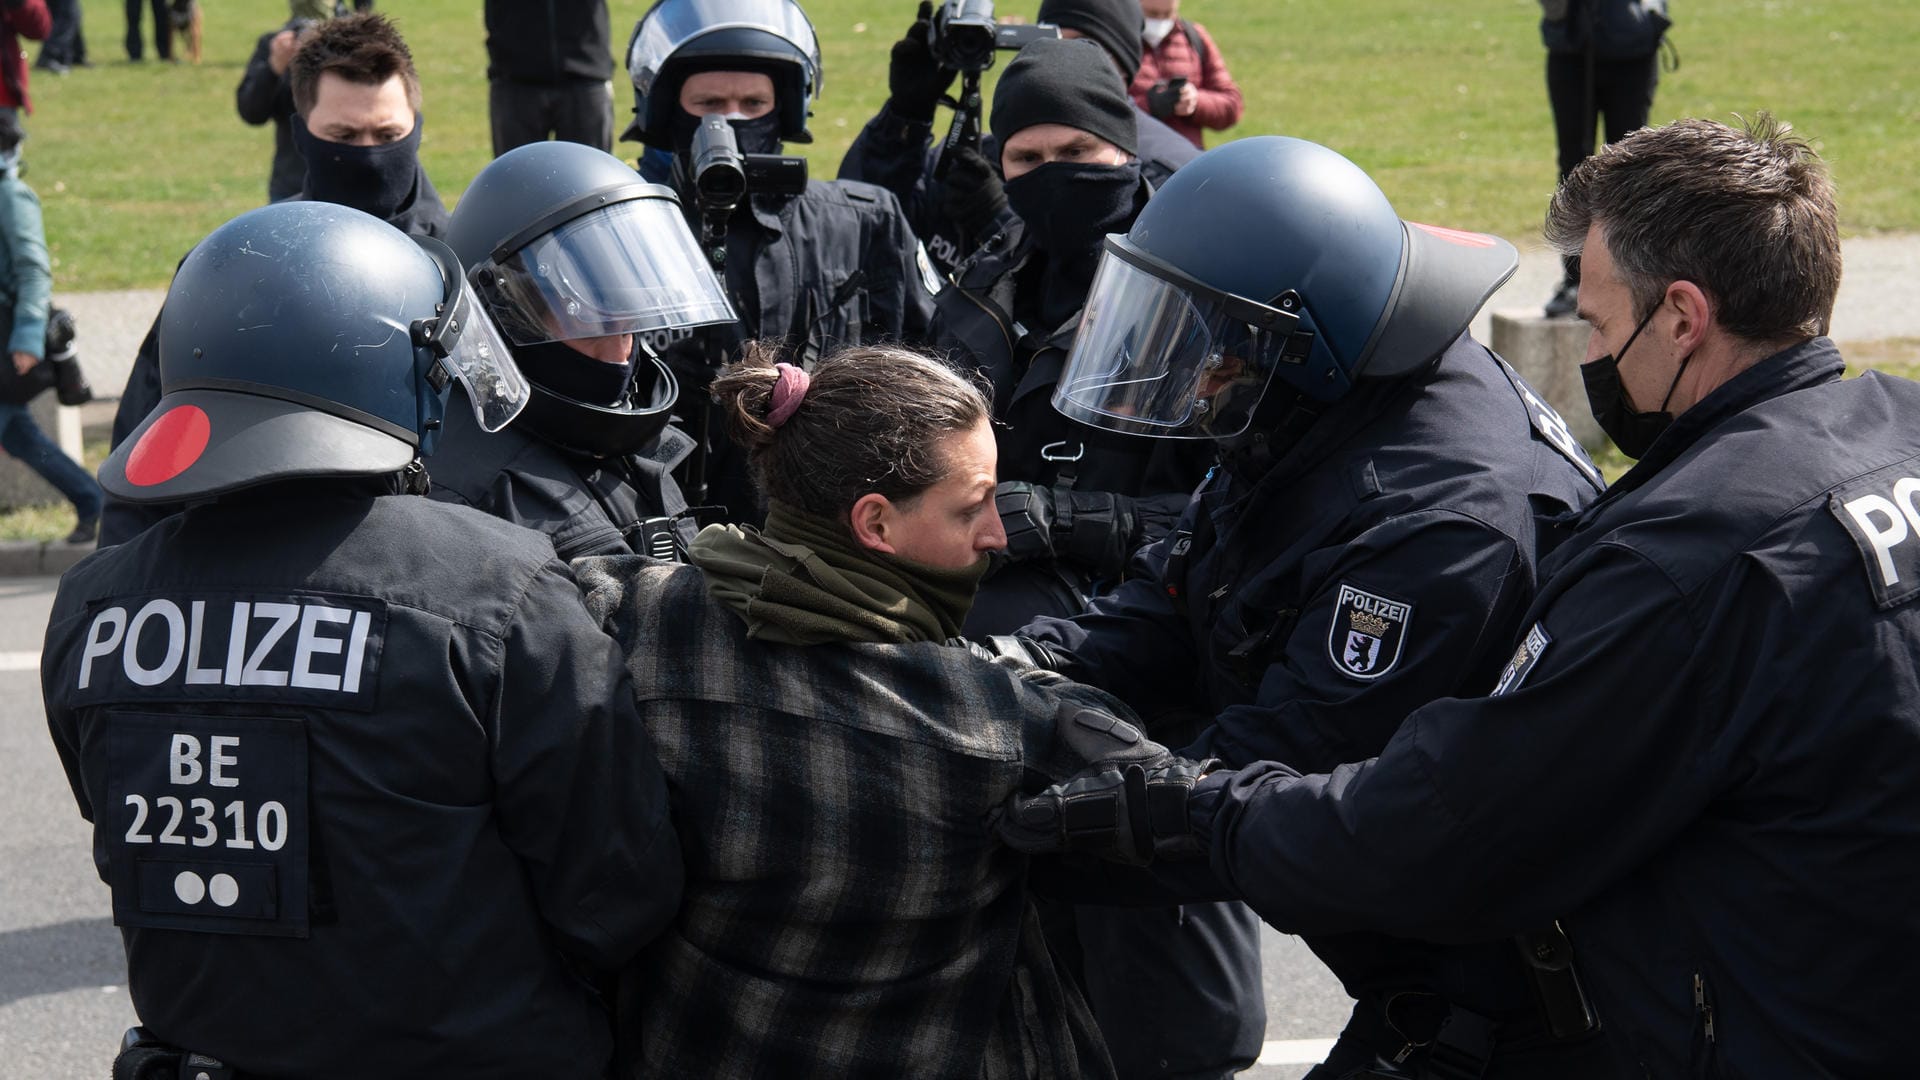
[63, 1001]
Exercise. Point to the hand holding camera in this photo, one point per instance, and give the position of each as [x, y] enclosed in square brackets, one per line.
[1171, 97]
[915, 81]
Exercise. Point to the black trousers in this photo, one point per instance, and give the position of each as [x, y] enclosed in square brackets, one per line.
[522, 113]
[162, 29]
[65, 43]
[1177, 991]
[1621, 93]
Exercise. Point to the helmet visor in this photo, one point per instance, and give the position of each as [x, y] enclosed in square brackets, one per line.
[477, 357]
[626, 269]
[1162, 355]
[673, 23]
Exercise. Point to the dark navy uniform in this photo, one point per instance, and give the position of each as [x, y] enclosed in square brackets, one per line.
[1704, 756]
[367, 784]
[976, 324]
[1316, 592]
[587, 505]
[834, 266]
[898, 154]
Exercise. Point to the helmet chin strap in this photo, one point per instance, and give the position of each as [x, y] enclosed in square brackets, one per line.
[1282, 420]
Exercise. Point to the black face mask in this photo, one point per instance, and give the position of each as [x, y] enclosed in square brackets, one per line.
[558, 367]
[1069, 208]
[377, 180]
[760, 135]
[1632, 431]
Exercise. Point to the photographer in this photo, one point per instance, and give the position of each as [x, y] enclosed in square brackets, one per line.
[1183, 80]
[955, 206]
[265, 95]
[812, 266]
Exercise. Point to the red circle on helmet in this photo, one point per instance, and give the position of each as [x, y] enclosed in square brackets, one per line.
[169, 447]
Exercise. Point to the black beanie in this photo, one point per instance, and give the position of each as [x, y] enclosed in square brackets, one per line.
[1116, 24]
[1055, 81]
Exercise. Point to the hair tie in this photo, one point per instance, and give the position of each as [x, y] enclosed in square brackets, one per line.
[789, 389]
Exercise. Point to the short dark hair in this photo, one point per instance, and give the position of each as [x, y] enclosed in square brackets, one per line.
[364, 48]
[1745, 213]
[872, 420]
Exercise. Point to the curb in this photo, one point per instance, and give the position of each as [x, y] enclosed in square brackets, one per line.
[39, 558]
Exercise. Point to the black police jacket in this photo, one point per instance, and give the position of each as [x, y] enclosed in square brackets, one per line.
[836, 265]
[1382, 561]
[1704, 754]
[423, 215]
[586, 505]
[367, 783]
[548, 42]
[1036, 444]
[899, 154]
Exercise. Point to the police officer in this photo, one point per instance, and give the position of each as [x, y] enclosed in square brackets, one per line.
[955, 213]
[1704, 752]
[366, 781]
[579, 262]
[1367, 543]
[358, 127]
[1076, 500]
[833, 264]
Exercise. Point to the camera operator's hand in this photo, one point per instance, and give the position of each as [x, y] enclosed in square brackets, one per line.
[1186, 101]
[1130, 805]
[972, 194]
[914, 81]
[280, 51]
[1161, 99]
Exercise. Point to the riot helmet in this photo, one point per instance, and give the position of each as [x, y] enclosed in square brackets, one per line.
[678, 38]
[1267, 261]
[309, 339]
[563, 242]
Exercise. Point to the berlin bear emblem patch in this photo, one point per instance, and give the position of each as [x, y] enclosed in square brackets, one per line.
[1367, 633]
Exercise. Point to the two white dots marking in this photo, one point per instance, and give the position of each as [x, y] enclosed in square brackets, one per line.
[221, 888]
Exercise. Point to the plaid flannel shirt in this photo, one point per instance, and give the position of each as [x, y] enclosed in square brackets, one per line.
[848, 909]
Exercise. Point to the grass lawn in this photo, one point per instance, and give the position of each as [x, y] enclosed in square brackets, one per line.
[1444, 104]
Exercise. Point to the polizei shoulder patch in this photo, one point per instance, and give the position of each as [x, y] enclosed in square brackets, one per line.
[1524, 659]
[1368, 632]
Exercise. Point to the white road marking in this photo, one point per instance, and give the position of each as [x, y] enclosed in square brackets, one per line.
[1295, 1051]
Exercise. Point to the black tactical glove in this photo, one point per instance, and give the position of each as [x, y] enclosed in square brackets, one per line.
[1091, 529]
[972, 194]
[1130, 806]
[914, 81]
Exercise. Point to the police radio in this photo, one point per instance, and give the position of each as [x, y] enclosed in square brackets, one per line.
[723, 177]
[964, 37]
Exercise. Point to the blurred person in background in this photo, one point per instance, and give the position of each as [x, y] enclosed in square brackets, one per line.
[162, 29]
[1602, 64]
[549, 68]
[26, 285]
[66, 43]
[1183, 81]
[18, 19]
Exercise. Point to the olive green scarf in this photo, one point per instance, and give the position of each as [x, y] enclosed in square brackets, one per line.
[804, 580]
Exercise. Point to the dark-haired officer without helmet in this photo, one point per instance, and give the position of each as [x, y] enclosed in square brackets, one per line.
[366, 781]
[1368, 542]
[579, 262]
[833, 265]
[954, 215]
[1704, 751]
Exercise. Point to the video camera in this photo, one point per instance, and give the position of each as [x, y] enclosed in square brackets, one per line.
[723, 177]
[964, 36]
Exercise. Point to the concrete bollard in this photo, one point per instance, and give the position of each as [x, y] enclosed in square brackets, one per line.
[1547, 353]
[21, 486]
